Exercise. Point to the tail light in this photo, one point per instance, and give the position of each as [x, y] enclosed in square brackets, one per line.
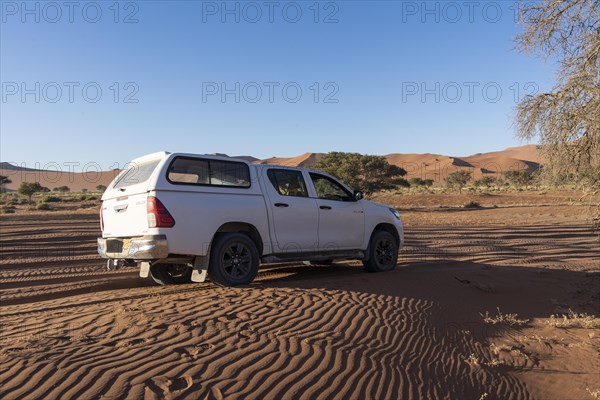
[158, 215]
[101, 220]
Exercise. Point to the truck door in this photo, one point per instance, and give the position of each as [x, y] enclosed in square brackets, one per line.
[295, 216]
[341, 219]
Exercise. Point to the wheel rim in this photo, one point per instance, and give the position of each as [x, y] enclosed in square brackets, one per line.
[237, 260]
[384, 252]
[176, 270]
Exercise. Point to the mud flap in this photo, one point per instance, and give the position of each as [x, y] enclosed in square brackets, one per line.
[200, 269]
[144, 269]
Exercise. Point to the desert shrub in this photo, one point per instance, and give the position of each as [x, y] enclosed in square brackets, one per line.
[29, 189]
[485, 181]
[472, 204]
[82, 197]
[51, 199]
[519, 178]
[4, 180]
[458, 179]
[507, 319]
[62, 189]
[87, 204]
[92, 198]
[43, 206]
[8, 209]
[366, 172]
[574, 320]
[415, 182]
[420, 182]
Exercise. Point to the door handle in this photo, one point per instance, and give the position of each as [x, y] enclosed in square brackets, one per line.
[325, 208]
[281, 205]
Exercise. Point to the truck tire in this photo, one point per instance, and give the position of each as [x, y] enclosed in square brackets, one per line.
[383, 252]
[233, 260]
[169, 274]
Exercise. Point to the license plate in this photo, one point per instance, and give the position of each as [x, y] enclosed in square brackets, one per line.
[114, 246]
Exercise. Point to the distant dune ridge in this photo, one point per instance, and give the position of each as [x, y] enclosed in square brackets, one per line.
[424, 166]
[437, 166]
[76, 181]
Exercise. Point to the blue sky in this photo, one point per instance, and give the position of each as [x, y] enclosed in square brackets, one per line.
[375, 77]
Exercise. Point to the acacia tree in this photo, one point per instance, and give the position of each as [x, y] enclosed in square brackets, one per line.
[458, 179]
[4, 180]
[486, 181]
[566, 119]
[29, 189]
[519, 178]
[365, 172]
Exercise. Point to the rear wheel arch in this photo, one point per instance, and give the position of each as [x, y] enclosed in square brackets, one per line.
[245, 228]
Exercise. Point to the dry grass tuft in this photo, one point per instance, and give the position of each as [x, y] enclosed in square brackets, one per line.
[508, 319]
[574, 320]
[594, 393]
[494, 363]
[472, 360]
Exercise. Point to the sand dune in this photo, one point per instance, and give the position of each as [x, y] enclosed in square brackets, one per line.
[51, 179]
[437, 166]
[71, 329]
[528, 152]
[425, 166]
[304, 160]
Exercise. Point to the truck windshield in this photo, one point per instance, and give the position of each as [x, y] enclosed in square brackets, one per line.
[136, 173]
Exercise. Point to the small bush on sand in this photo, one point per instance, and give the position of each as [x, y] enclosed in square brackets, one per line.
[87, 204]
[594, 393]
[8, 210]
[51, 199]
[472, 204]
[43, 206]
[485, 181]
[472, 360]
[508, 319]
[574, 320]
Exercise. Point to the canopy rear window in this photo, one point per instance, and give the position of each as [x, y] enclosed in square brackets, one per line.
[136, 173]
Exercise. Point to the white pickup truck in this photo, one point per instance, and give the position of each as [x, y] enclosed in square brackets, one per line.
[181, 217]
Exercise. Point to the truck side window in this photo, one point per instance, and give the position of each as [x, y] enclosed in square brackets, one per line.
[229, 173]
[198, 171]
[288, 182]
[329, 189]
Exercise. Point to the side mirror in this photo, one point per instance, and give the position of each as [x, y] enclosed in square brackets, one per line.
[358, 195]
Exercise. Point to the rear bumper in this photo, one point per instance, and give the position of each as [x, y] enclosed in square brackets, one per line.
[150, 247]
